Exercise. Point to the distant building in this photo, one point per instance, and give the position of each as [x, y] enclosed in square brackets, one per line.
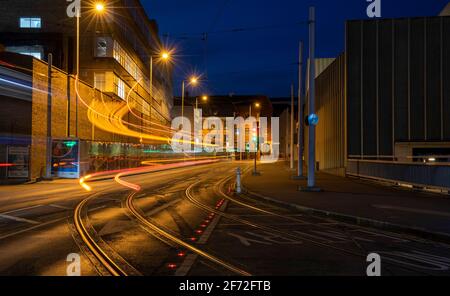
[225, 107]
[445, 11]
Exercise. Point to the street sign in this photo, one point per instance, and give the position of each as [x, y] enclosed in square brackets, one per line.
[313, 119]
[19, 157]
[66, 158]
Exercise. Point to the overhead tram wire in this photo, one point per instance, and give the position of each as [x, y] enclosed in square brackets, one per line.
[200, 36]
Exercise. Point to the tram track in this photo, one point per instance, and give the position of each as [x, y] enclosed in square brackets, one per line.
[218, 189]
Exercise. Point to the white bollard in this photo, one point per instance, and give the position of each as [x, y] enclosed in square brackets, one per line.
[238, 181]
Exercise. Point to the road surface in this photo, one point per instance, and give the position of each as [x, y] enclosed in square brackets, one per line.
[188, 221]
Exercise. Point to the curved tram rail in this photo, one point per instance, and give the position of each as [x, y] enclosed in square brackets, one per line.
[154, 228]
[113, 268]
[219, 189]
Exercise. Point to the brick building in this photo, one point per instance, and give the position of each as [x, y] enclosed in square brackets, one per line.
[115, 52]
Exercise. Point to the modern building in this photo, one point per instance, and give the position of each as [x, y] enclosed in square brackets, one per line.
[385, 103]
[117, 46]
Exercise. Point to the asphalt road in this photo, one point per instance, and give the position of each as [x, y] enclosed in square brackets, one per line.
[188, 222]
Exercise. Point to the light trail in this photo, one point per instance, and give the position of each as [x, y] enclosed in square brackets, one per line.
[158, 168]
[6, 165]
[118, 174]
[151, 162]
[83, 183]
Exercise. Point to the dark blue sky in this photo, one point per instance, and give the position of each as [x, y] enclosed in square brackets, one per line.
[259, 61]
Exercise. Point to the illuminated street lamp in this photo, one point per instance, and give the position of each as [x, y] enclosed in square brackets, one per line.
[99, 8]
[163, 56]
[257, 106]
[204, 99]
[193, 80]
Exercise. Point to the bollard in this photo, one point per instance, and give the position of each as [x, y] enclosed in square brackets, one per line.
[238, 181]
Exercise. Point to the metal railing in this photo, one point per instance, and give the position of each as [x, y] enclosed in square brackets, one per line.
[428, 175]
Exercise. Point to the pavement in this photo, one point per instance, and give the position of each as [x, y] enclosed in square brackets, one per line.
[355, 200]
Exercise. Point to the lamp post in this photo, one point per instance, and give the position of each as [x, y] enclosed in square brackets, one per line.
[204, 99]
[164, 56]
[99, 8]
[313, 119]
[300, 115]
[192, 81]
[255, 171]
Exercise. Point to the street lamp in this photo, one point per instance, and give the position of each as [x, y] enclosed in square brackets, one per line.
[204, 99]
[99, 8]
[164, 56]
[255, 172]
[193, 80]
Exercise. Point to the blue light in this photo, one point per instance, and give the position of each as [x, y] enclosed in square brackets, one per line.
[313, 119]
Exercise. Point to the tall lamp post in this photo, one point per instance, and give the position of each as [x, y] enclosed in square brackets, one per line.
[300, 114]
[99, 8]
[255, 171]
[312, 117]
[192, 81]
[164, 56]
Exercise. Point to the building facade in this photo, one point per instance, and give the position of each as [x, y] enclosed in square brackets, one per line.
[116, 46]
[385, 103]
[111, 111]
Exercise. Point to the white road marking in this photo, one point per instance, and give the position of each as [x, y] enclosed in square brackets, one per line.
[59, 207]
[412, 210]
[207, 234]
[191, 258]
[18, 219]
[21, 209]
[163, 207]
[186, 265]
[31, 228]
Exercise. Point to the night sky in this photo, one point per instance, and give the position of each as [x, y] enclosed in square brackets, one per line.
[259, 61]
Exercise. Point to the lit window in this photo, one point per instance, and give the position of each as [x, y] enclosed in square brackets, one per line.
[37, 55]
[30, 22]
[99, 81]
[102, 46]
[119, 87]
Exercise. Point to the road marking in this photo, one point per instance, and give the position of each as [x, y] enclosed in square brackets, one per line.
[31, 228]
[411, 210]
[59, 207]
[190, 259]
[186, 265]
[20, 210]
[163, 207]
[18, 219]
[207, 234]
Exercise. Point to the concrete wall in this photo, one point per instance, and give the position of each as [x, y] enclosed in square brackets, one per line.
[330, 104]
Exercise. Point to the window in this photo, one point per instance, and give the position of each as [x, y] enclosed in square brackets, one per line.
[102, 47]
[119, 86]
[36, 51]
[30, 22]
[99, 81]
[37, 55]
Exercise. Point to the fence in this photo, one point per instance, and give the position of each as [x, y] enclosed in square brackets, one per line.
[429, 175]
